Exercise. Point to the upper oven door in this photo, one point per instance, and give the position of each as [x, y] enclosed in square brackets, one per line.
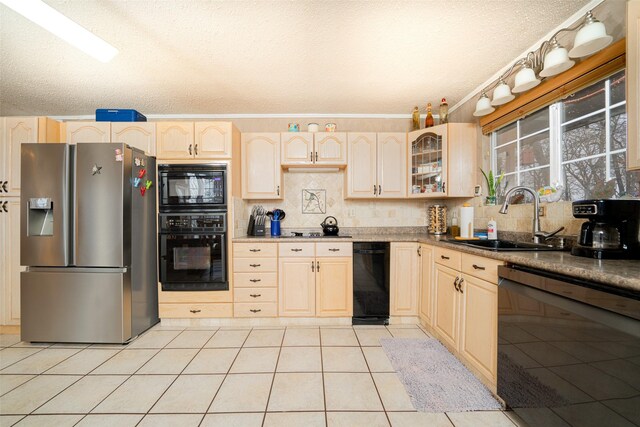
[184, 187]
[193, 262]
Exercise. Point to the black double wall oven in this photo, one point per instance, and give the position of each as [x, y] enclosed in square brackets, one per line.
[193, 227]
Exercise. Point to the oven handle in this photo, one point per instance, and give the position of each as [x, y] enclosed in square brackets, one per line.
[613, 320]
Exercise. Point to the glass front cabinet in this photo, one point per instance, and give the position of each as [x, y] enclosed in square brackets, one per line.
[442, 161]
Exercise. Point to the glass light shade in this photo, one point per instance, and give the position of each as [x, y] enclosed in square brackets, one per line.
[590, 39]
[502, 94]
[525, 79]
[556, 61]
[483, 106]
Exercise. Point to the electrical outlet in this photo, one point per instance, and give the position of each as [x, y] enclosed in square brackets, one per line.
[351, 213]
[542, 211]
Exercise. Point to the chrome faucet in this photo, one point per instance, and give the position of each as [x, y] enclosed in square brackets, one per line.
[537, 233]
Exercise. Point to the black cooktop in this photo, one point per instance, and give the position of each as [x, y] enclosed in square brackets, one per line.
[311, 235]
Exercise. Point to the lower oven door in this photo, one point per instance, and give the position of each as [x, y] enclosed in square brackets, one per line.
[193, 262]
[567, 362]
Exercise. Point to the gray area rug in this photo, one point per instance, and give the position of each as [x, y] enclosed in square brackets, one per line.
[434, 379]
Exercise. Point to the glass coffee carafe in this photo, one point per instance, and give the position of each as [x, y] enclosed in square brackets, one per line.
[605, 236]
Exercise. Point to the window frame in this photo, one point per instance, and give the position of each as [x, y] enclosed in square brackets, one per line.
[556, 126]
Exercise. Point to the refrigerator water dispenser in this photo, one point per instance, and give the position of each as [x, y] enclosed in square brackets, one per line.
[40, 217]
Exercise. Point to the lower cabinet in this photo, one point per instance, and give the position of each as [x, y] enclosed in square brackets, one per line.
[255, 279]
[465, 315]
[315, 279]
[405, 279]
[426, 284]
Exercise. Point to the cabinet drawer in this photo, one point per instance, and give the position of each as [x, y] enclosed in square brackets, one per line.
[254, 265]
[447, 257]
[193, 311]
[253, 295]
[255, 280]
[257, 250]
[342, 249]
[296, 249]
[258, 309]
[481, 267]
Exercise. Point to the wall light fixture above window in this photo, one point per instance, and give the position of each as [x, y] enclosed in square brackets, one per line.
[550, 59]
[63, 27]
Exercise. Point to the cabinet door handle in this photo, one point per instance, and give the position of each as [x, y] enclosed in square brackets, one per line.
[4, 207]
[196, 148]
[478, 267]
[311, 155]
[444, 257]
[254, 265]
[190, 153]
[254, 310]
[375, 190]
[254, 250]
[255, 280]
[195, 311]
[317, 265]
[334, 249]
[255, 295]
[460, 286]
[4, 186]
[455, 283]
[313, 266]
[296, 249]
[419, 250]
[379, 190]
[444, 188]
[278, 190]
[316, 156]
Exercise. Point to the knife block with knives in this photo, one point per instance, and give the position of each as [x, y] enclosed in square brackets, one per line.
[256, 221]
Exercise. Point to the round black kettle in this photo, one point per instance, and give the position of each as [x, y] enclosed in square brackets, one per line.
[330, 226]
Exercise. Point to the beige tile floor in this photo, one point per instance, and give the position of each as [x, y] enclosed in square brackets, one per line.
[294, 376]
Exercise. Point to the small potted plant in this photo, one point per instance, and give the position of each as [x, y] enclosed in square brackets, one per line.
[492, 186]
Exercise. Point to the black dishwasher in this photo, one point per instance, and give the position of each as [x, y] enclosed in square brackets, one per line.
[370, 283]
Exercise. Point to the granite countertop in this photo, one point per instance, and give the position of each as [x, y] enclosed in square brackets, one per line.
[620, 273]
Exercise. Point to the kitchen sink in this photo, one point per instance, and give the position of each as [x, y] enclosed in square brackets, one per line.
[506, 245]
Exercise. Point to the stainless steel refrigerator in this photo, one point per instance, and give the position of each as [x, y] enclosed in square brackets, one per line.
[88, 239]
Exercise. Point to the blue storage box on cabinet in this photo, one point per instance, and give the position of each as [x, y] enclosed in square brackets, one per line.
[115, 115]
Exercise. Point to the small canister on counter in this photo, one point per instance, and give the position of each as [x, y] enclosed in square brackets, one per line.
[437, 219]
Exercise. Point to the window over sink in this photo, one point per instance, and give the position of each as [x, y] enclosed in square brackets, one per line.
[579, 142]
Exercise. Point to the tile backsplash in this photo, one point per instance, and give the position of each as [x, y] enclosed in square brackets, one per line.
[349, 213]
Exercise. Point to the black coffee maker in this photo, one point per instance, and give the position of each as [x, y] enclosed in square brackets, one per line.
[613, 229]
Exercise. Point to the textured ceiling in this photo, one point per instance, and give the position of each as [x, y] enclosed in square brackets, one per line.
[265, 57]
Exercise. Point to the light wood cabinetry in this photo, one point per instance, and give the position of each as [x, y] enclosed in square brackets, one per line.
[255, 279]
[466, 309]
[442, 161]
[261, 173]
[77, 132]
[140, 135]
[426, 284]
[308, 149]
[376, 165]
[174, 140]
[633, 84]
[213, 140]
[405, 279]
[315, 279]
[10, 259]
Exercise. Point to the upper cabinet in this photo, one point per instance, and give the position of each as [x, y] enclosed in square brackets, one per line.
[140, 135]
[174, 140]
[213, 140]
[261, 172]
[437, 158]
[199, 140]
[15, 131]
[633, 85]
[88, 132]
[307, 149]
[376, 165]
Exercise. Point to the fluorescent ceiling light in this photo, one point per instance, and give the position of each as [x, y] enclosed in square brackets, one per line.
[63, 27]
